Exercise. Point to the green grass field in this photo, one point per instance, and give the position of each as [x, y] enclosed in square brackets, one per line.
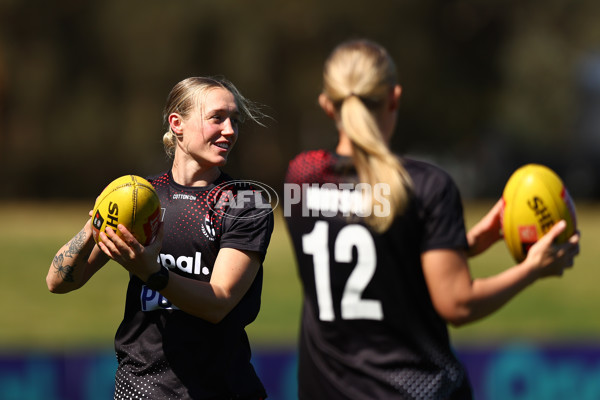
[554, 310]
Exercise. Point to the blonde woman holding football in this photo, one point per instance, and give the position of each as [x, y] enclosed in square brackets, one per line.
[193, 290]
[382, 278]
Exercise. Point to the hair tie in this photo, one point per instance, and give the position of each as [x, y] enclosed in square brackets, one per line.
[352, 94]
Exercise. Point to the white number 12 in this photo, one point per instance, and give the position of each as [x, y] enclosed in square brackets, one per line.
[353, 306]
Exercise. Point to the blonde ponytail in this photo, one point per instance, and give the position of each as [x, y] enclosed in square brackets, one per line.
[358, 77]
[170, 143]
[375, 163]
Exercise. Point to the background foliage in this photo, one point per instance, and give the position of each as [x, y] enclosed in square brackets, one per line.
[487, 85]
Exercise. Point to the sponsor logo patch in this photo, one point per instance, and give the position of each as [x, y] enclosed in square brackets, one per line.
[151, 300]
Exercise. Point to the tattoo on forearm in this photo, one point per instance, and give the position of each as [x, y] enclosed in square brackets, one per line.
[65, 271]
[76, 244]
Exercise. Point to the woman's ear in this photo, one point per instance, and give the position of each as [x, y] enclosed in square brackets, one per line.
[395, 97]
[176, 123]
[327, 105]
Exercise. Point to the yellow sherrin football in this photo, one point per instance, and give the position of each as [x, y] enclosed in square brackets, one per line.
[129, 200]
[534, 199]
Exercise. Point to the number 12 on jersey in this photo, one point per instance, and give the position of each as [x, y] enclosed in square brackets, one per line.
[353, 306]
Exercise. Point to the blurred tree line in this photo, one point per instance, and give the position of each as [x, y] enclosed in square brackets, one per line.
[487, 85]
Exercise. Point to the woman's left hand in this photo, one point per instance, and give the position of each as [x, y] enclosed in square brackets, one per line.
[127, 251]
[486, 232]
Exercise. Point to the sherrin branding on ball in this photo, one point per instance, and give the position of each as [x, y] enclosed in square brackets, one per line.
[129, 200]
[534, 199]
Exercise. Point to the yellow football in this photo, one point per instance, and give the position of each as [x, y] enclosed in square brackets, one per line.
[129, 200]
[534, 199]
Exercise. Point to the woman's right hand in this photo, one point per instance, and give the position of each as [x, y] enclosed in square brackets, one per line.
[548, 258]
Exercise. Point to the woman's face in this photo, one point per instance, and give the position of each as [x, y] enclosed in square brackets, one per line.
[211, 130]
